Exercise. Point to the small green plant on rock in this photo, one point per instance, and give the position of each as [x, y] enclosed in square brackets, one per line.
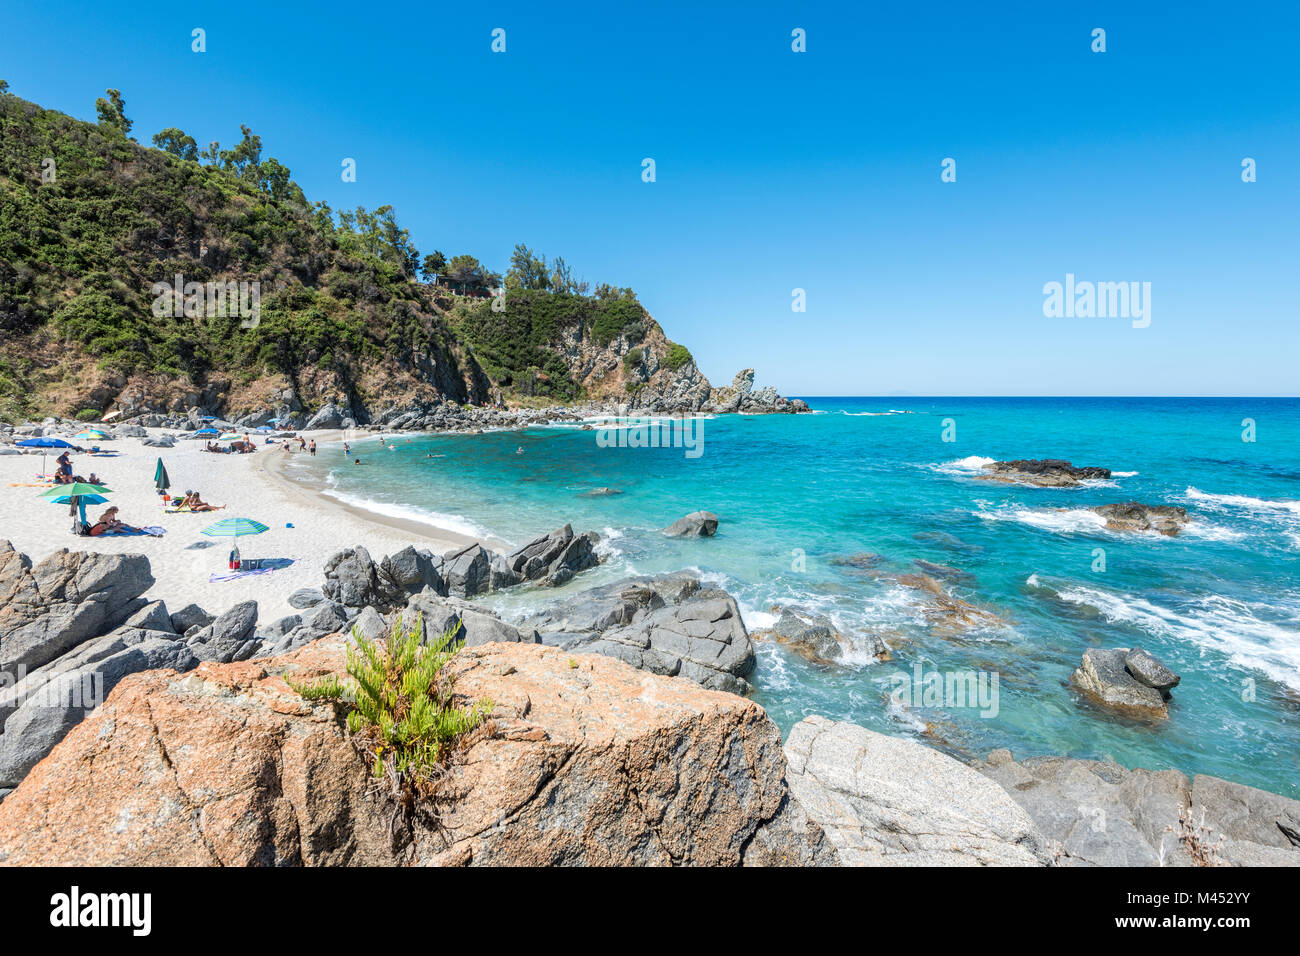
[401, 710]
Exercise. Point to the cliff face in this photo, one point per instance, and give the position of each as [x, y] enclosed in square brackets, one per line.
[127, 281]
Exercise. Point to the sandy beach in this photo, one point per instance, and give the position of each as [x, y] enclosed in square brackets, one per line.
[305, 526]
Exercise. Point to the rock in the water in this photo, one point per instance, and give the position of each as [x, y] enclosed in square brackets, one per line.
[1046, 472]
[555, 557]
[1098, 813]
[586, 762]
[886, 801]
[1131, 516]
[1150, 671]
[816, 637]
[1102, 675]
[67, 598]
[697, 524]
[948, 573]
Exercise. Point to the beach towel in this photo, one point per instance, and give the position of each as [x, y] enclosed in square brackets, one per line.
[252, 566]
[213, 579]
[153, 531]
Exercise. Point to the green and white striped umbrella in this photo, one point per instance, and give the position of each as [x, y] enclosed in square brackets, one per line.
[235, 528]
[74, 488]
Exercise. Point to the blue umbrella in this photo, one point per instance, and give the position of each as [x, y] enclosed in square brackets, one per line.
[83, 499]
[207, 431]
[44, 442]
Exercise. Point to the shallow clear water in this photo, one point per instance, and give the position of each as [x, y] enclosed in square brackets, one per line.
[1219, 604]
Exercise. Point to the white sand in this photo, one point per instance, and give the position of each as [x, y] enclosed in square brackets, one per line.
[252, 486]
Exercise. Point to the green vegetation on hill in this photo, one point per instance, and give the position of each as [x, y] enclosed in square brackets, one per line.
[91, 220]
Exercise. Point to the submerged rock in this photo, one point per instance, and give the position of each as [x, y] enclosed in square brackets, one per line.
[815, 637]
[948, 616]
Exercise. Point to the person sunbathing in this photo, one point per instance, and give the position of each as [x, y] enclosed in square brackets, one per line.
[109, 523]
[193, 502]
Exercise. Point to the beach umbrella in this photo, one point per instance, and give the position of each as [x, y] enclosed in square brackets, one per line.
[74, 488]
[232, 436]
[83, 500]
[207, 431]
[235, 528]
[44, 442]
[160, 479]
[91, 435]
[79, 492]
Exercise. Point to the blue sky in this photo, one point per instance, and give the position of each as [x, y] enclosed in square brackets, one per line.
[778, 170]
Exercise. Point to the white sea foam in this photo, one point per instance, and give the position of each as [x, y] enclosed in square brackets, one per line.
[1123, 474]
[1056, 520]
[1223, 502]
[1210, 532]
[1239, 630]
[971, 465]
[448, 522]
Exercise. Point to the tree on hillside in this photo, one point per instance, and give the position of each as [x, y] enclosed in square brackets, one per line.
[377, 234]
[527, 271]
[112, 113]
[434, 264]
[246, 157]
[562, 280]
[175, 141]
[273, 177]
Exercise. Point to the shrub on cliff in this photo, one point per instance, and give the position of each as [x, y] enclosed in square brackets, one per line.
[401, 711]
[678, 355]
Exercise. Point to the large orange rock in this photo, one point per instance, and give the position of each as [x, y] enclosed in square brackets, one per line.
[589, 761]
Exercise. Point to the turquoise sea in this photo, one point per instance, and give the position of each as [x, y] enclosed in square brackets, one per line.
[1219, 604]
